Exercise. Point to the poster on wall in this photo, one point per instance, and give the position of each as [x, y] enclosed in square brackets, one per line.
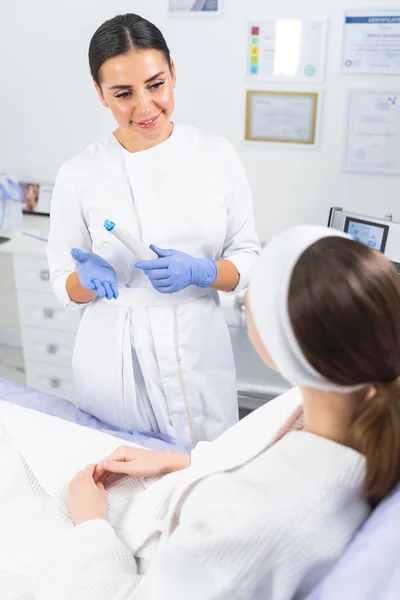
[187, 8]
[371, 42]
[282, 117]
[37, 198]
[286, 50]
[373, 132]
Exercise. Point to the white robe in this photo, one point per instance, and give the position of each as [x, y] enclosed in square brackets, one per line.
[189, 193]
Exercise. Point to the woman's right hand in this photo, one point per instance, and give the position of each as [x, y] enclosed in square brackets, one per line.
[96, 274]
[139, 462]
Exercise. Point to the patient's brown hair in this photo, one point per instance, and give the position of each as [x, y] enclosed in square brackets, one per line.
[344, 305]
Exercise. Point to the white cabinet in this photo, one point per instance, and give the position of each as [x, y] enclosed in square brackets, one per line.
[51, 379]
[46, 345]
[31, 274]
[48, 331]
[42, 310]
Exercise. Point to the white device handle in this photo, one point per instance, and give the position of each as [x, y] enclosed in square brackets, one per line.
[138, 248]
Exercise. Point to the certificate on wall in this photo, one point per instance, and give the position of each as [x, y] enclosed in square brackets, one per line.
[186, 8]
[282, 117]
[371, 42]
[286, 50]
[373, 132]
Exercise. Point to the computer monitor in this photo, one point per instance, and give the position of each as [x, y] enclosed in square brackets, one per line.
[369, 233]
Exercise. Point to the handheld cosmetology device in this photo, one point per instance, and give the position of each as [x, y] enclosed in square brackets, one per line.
[138, 248]
[143, 252]
[382, 234]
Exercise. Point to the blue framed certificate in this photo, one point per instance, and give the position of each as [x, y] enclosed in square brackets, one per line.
[371, 42]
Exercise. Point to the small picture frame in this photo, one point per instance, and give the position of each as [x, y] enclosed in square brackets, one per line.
[194, 8]
[283, 118]
[36, 199]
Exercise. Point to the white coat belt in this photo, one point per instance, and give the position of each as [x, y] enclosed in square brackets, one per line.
[141, 297]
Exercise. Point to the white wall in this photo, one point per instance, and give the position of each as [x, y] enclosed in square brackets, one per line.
[49, 111]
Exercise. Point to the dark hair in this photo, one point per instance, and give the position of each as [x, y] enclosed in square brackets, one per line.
[121, 35]
[344, 306]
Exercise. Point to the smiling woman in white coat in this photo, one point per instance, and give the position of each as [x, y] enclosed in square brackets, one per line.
[139, 364]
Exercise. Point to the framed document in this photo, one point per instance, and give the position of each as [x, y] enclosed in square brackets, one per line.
[192, 8]
[282, 117]
[286, 50]
[371, 42]
[373, 132]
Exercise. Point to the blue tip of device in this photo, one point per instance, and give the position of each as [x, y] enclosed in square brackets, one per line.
[109, 225]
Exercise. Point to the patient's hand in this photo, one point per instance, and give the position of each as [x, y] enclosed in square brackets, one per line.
[87, 499]
[141, 463]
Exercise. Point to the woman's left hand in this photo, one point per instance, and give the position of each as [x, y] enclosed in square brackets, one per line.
[174, 270]
[87, 500]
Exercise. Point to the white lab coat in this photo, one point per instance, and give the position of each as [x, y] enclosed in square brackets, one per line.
[189, 193]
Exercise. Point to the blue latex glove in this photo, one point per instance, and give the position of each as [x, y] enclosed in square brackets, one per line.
[96, 274]
[174, 270]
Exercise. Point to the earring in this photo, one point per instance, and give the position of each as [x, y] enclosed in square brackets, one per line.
[105, 104]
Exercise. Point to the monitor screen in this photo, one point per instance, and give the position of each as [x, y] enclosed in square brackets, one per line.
[371, 234]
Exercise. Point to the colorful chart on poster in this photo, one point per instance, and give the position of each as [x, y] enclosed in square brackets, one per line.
[286, 50]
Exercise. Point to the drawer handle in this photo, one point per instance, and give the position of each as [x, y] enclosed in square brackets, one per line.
[44, 275]
[52, 349]
[55, 383]
[48, 313]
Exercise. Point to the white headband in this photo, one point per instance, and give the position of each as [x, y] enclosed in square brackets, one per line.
[268, 297]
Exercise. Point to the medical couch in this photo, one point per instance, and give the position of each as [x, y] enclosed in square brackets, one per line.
[58, 407]
[369, 568]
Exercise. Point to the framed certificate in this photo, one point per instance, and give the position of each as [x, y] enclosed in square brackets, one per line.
[286, 50]
[373, 132]
[282, 117]
[371, 42]
[193, 8]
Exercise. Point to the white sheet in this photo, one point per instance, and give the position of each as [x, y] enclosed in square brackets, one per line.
[39, 455]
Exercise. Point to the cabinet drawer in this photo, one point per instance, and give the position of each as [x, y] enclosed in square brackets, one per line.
[43, 311]
[31, 274]
[50, 379]
[45, 345]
